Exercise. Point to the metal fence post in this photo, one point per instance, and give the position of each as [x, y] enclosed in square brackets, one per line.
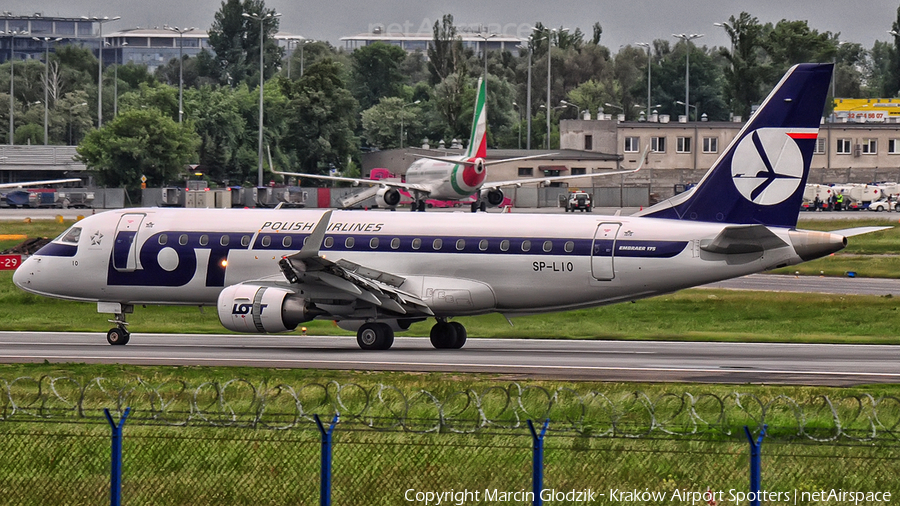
[115, 485]
[325, 473]
[537, 461]
[755, 462]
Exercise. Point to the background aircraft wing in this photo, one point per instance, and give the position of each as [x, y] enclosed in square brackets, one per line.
[547, 179]
[39, 183]
[359, 181]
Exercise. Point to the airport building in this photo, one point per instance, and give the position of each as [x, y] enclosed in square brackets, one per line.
[412, 42]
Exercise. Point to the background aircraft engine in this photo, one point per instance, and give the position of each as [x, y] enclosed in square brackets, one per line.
[257, 309]
[389, 197]
[495, 197]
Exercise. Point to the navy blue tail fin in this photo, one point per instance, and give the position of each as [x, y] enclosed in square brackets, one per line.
[760, 177]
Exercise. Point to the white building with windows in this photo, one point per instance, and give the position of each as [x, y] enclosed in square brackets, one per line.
[411, 42]
[681, 153]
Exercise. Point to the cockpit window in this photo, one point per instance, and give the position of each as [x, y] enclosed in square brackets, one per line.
[70, 236]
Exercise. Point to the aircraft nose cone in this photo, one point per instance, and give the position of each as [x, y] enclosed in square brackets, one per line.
[24, 274]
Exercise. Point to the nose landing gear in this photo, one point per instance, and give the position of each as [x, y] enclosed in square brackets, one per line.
[119, 334]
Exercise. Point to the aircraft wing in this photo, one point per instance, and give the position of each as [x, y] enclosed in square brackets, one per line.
[39, 183]
[309, 268]
[473, 162]
[548, 179]
[358, 181]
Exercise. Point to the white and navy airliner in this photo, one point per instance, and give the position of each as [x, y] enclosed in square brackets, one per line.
[377, 272]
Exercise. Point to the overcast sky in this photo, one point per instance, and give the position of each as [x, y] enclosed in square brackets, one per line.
[624, 22]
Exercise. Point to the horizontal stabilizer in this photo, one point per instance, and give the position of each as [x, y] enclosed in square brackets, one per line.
[737, 240]
[850, 232]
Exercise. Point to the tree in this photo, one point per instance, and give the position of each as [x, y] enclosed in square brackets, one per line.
[235, 41]
[321, 118]
[747, 74]
[139, 142]
[445, 51]
[892, 79]
[382, 122]
[216, 114]
[376, 73]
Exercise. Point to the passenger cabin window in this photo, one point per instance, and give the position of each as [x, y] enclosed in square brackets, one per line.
[204, 240]
[548, 245]
[504, 245]
[183, 239]
[348, 243]
[163, 239]
[526, 246]
[483, 245]
[245, 240]
[287, 241]
[570, 246]
[72, 235]
[224, 240]
[329, 242]
[416, 243]
[266, 241]
[395, 243]
[437, 244]
[373, 243]
[460, 244]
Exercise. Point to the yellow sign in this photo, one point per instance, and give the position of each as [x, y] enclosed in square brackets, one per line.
[867, 110]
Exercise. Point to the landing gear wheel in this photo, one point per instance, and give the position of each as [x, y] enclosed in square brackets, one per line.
[461, 334]
[118, 336]
[483, 206]
[443, 335]
[474, 207]
[421, 206]
[375, 336]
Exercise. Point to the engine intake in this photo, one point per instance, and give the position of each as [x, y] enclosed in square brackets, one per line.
[388, 197]
[495, 197]
[258, 309]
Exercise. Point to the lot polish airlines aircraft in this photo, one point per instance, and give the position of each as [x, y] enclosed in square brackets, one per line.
[453, 177]
[377, 272]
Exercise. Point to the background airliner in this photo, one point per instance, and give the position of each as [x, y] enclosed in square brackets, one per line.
[453, 177]
[377, 272]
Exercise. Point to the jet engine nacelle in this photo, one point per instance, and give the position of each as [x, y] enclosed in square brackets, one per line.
[387, 197]
[257, 309]
[495, 197]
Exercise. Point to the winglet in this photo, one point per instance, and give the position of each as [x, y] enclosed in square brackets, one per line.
[314, 241]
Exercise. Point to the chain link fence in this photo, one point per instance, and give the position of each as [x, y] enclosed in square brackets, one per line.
[237, 443]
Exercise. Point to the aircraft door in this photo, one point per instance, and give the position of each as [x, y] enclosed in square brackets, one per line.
[125, 255]
[603, 251]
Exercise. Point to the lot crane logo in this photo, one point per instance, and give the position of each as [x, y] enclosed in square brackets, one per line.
[767, 166]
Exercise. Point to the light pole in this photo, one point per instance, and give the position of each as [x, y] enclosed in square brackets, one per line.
[401, 119]
[549, 59]
[100, 21]
[696, 111]
[262, 21]
[296, 41]
[519, 111]
[528, 97]
[12, 77]
[116, 79]
[647, 45]
[180, 32]
[46, 41]
[687, 68]
[484, 38]
[71, 109]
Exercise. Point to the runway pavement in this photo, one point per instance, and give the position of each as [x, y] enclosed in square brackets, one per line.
[811, 284]
[649, 361]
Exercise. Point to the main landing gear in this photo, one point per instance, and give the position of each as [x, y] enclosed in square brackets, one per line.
[448, 335]
[375, 336]
[380, 336]
[119, 334]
